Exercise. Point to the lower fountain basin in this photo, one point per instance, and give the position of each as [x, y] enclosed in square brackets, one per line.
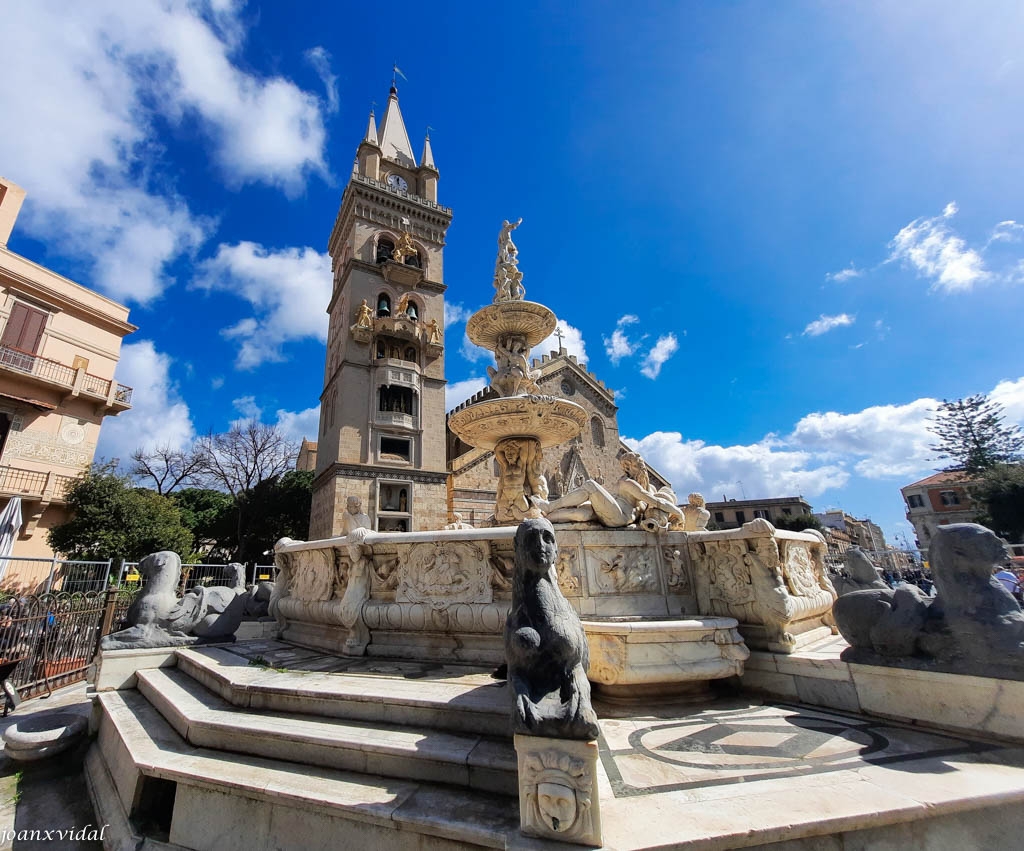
[632, 658]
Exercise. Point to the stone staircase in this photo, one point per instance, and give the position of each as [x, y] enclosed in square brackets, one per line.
[213, 752]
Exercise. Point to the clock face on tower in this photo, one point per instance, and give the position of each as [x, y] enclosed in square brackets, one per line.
[396, 181]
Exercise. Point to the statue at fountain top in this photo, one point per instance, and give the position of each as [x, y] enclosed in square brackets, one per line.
[508, 280]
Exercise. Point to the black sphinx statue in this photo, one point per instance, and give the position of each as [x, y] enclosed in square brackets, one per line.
[545, 645]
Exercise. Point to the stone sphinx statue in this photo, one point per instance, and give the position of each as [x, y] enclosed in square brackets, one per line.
[545, 645]
[858, 573]
[974, 625]
[157, 618]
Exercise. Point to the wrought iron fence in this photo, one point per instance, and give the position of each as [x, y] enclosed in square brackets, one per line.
[47, 641]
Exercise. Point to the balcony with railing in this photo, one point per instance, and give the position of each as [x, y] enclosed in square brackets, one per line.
[77, 382]
[34, 484]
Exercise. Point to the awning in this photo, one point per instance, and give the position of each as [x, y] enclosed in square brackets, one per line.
[34, 403]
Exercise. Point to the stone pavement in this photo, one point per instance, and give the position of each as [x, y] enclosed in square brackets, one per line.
[50, 794]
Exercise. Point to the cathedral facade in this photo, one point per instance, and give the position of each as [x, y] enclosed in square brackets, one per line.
[383, 436]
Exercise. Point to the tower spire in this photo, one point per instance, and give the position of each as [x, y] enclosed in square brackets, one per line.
[394, 140]
[371, 130]
[427, 159]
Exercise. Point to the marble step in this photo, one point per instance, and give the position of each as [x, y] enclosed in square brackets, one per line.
[206, 720]
[249, 801]
[455, 705]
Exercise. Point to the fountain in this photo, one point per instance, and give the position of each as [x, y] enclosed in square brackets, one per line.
[519, 423]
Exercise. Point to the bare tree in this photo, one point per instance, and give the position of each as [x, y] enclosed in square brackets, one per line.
[167, 468]
[238, 460]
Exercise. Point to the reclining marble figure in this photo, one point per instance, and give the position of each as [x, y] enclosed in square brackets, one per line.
[632, 499]
[545, 645]
[157, 618]
[974, 626]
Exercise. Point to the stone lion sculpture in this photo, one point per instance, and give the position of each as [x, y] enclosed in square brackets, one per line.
[545, 645]
[973, 626]
[157, 618]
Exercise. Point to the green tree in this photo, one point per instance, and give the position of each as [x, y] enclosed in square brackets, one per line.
[1002, 492]
[971, 433]
[211, 517]
[798, 523]
[112, 519]
[273, 509]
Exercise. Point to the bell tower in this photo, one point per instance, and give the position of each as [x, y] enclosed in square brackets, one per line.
[382, 411]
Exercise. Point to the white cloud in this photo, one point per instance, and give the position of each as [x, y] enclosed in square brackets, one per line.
[824, 323]
[247, 407]
[764, 469]
[158, 416]
[91, 79]
[455, 313]
[320, 59]
[472, 352]
[883, 441]
[296, 425]
[618, 345]
[572, 342]
[844, 275]
[662, 350]
[457, 392]
[933, 250]
[1010, 394]
[288, 289]
[1008, 231]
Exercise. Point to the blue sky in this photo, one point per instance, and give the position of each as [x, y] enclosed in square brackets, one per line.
[780, 231]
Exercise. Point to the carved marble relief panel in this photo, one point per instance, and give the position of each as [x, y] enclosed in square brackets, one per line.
[313, 575]
[800, 578]
[622, 570]
[441, 573]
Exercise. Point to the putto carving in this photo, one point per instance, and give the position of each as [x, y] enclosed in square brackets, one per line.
[624, 571]
[677, 578]
[442, 573]
[568, 578]
[695, 515]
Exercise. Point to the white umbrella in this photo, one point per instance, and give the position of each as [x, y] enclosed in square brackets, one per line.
[10, 525]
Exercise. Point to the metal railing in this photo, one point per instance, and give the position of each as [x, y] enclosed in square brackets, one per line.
[61, 373]
[95, 385]
[18, 481]
[45, 575]
[36, 365]
[48, 641]
[191, 575]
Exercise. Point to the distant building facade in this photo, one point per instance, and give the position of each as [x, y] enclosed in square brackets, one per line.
[864, 533]
[939, 500]
[733, 513]
[59, 347]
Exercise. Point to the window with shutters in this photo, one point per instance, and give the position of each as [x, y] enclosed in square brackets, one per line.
[24, 329]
